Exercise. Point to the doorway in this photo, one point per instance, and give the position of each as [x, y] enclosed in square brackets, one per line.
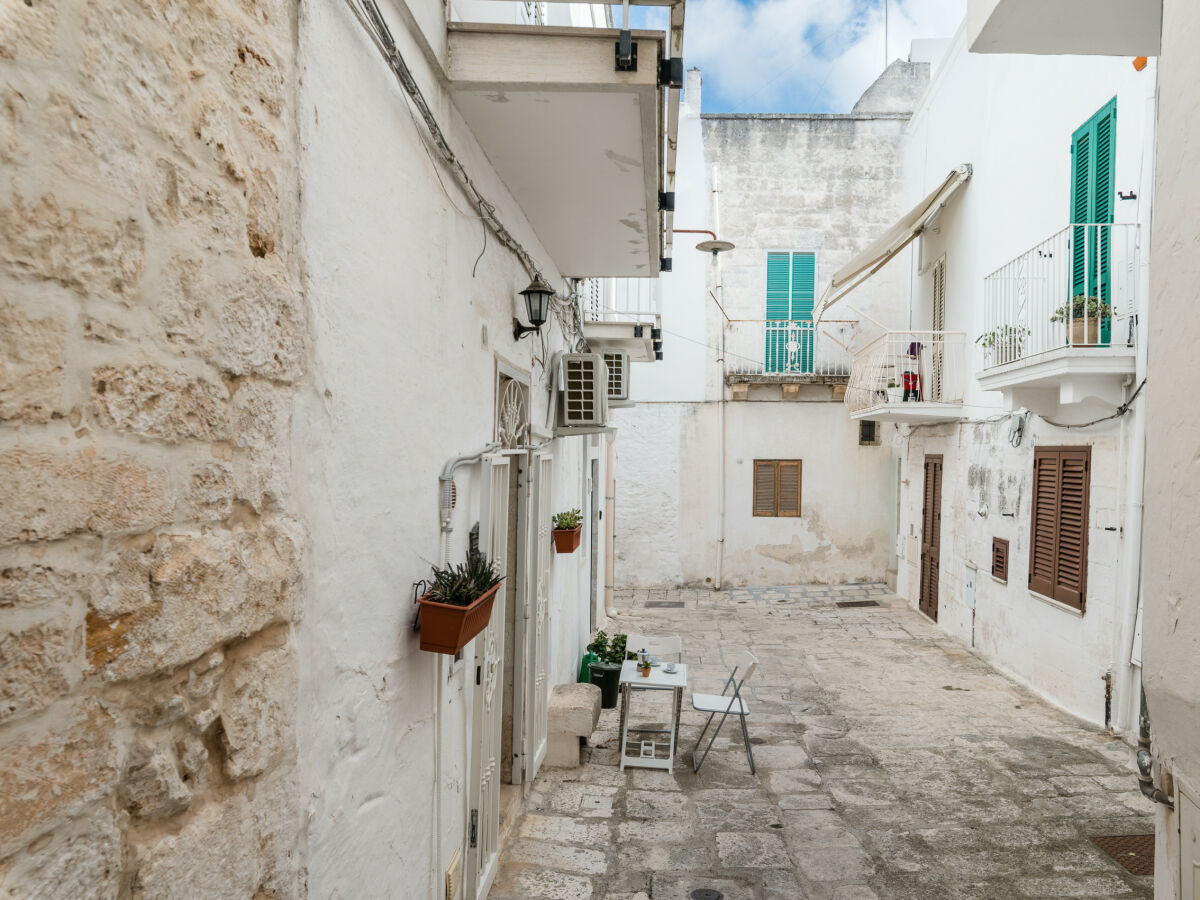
[931, 536]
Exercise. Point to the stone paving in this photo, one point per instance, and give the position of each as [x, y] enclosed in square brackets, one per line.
[892, 763]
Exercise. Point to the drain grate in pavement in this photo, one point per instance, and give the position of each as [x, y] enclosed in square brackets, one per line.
[848, 604]
[664, 604]
[705, 894]
[1134, 851]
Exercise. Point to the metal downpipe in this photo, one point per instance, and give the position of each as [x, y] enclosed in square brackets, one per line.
[1145, 762]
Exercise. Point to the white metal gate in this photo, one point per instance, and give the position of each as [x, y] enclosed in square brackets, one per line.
[483, 826]
[538, 631]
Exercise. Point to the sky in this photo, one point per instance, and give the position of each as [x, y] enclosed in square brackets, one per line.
[797, 55]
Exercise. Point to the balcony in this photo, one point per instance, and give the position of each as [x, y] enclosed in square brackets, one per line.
[1095, 27]
[623, 315]
[915, 377]
[1059, 323]
[570, 128]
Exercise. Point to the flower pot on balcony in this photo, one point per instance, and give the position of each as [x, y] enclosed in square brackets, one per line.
[566, 540]
[446, 628]
[1090, 331]
[895, 395]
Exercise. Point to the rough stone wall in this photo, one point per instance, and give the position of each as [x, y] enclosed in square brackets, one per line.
[151, 341]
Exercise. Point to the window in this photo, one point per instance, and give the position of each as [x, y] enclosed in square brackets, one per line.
[868, 432]
[1000, 559]
[791, 293]
[1093, 158]
[777, 487]
[1058, 535]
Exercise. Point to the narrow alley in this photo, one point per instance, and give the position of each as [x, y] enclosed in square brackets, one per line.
[892, 763]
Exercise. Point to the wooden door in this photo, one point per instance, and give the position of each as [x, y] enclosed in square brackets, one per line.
[483, 816]
[931, 537]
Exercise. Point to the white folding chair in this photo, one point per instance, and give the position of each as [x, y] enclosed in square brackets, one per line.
[727, 705]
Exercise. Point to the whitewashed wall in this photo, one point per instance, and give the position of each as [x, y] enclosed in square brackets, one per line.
[1170, 563]
[406, 344]
[1011, 118]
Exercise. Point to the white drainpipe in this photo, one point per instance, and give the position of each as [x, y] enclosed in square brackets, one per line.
[720, 286]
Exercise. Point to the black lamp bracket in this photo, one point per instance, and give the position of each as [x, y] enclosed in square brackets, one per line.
[520, 331]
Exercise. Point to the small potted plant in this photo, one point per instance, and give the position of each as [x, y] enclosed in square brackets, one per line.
[567, 526]
[605, 672]
[1006, 343]
[458, 604]
[1090, 320]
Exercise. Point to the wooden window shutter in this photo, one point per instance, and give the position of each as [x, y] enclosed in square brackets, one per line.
[1000, 559]
[1070, 584]
[765, 493]
[1058, 534]
[789, 488]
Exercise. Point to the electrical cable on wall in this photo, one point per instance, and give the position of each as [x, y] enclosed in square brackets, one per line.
[1121, 410]
[373, 22]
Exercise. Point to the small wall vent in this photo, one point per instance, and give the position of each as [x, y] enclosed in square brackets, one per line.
[1000, 559]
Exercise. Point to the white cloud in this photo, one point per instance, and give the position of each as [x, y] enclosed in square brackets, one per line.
[802, 55]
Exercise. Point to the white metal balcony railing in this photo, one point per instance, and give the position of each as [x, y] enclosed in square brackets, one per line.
[1076, 288]
[902, 367]
[787, 347]
[622, 300]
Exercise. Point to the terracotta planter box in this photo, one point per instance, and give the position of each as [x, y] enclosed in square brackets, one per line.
[566, 541]
[1085, 332]
[447, 629]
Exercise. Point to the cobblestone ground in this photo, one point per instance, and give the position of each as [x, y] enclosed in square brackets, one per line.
[892, 763]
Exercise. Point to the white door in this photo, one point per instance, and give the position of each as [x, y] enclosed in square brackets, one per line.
[483, 822]
[1189, 847]
[538, 630]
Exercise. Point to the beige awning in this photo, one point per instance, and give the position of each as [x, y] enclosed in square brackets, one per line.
[891, 242]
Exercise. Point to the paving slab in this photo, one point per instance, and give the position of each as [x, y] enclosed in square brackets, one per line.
[892, 763]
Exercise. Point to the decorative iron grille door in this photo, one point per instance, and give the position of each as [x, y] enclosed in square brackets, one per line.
[488, 708]
[538, 632]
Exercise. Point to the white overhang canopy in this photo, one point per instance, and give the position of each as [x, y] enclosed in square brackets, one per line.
[891, 242]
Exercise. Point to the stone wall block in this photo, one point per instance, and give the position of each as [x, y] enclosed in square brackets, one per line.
[154, 402]
[44, 496]
[39, 663]
[55, 771]
[243, 847]
[213, 124]
[32, 356]
[207, 590]
[33, 586]
[177, 196]
[256, 712]
[151, 787]
[81, 142]
[81, 860]
[181, 305]
[90, 255]
[27, 30]
[262, 216]
[260, 326]
[210, 493]
[121, 583]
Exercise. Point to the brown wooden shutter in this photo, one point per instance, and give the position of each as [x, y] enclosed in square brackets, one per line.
[765, 493]
[1000, 559]
[1070, 585]
[1043, 533]
[1058, 539]
[789, 487]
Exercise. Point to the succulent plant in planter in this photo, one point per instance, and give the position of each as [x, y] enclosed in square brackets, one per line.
[458, 603]
[567, 527]
[1007, 343]
[606, 670]
[1088, 318]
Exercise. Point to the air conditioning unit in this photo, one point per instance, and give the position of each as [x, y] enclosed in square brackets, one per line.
[617, 363]
[582, 394]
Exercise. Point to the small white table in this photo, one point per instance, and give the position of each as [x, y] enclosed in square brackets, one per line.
[649, 752]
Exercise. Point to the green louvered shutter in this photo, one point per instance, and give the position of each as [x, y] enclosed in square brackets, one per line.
[804, 295]
[1093, 158]
[779, 307]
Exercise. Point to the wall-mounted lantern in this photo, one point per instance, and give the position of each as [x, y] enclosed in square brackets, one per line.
[537, 307]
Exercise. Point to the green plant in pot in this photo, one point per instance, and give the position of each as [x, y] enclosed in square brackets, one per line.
[458, 603]
[567, 527]
[1088, 320]
[605, 672]
[1007, 342]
